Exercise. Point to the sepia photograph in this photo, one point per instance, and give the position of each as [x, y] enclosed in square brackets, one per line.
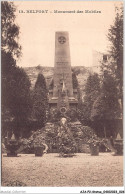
[62, 94]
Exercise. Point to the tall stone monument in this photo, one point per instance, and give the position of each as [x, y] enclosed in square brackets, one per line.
[62, 96]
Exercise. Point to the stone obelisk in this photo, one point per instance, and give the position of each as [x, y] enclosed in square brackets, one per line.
[62, 68]
[62, 94]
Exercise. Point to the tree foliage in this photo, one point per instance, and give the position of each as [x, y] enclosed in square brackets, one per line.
[115, 37]
[15, 88]
[7, 63]
[92, 90]
[76, 85]
[10, 31]
[74, 81]
[66, 141]
[106, 105]
[51, 85]
[20, 93]
[16, 100]
[40, 99]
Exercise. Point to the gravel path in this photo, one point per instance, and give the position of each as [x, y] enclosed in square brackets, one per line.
[51, 170]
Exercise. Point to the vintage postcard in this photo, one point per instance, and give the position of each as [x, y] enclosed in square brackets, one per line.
[62, 96]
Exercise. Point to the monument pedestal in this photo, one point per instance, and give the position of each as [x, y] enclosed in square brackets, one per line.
[118, 145]
[12, 147]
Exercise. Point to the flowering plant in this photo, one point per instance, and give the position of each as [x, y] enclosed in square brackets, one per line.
[36, 140]
[94, 141]
[67, 145]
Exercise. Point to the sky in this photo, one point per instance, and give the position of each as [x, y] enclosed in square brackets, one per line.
[87, 31]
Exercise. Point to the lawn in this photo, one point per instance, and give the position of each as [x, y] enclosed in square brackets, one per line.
[50, 170]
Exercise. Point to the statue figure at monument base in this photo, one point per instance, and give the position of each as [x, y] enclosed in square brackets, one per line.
[66, 142]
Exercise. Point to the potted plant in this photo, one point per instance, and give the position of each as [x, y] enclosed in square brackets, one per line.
[39, 148]
[35, 143]
[94, 143]
[67, 150]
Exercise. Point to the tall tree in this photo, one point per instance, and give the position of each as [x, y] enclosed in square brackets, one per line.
[15, 83]
[92, 90]
[115, 37]
[16, 100]
[74, 80]
[106, 110]
[106, 105]
[76, 85]
[9, 30]
[9, 47]
[40, 100]
[19, 88]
